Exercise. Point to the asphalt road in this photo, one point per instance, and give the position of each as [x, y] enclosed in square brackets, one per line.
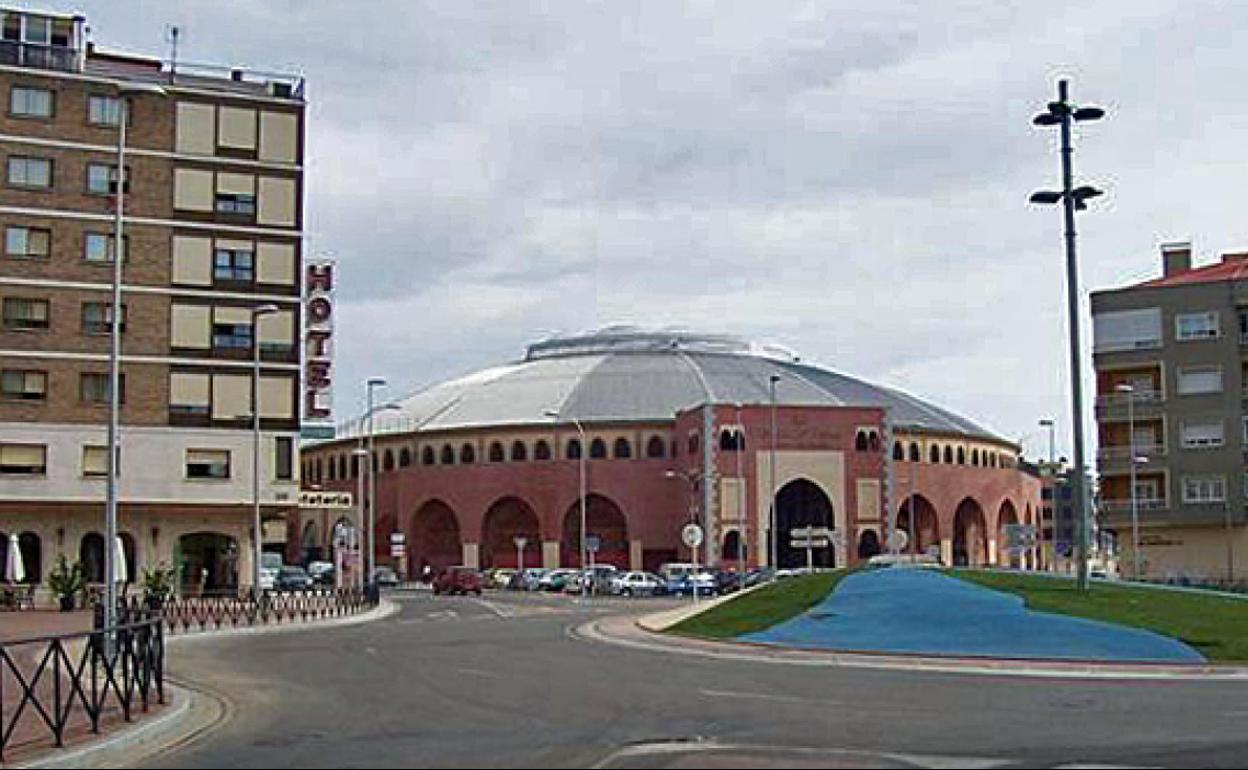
[455, 682]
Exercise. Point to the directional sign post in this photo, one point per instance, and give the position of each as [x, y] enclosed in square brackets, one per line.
[521, 541]
[810, 538]
[692, 536]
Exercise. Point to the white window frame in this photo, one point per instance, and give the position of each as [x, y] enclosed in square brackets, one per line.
[1192, 370]
[1205, 442]
[25, 112]
[1210, 330]
[1204, 489]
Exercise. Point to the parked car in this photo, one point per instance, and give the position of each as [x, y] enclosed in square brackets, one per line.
[594, 580]
[638, 584]
[292, 578]
[498, 577]
[322, 572]
[385, 576]
[701, 582]
[526, 580]
[759, 575]
[555, 580]
[727, 581]
[457, 580]
[677, 569]
[268, 578]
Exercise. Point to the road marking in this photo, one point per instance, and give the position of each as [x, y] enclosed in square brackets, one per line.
[699, 745]
[499, 610]
[442, 615]
[767, 697]
[479, 672]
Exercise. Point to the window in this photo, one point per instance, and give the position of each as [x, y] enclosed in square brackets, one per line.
[23, 459]
[448, 455]
[231, 335]
[190, 393]
[100, 247]
[405, 457]
[284, 458]
[898, 452]
[103, 110]
[1196, 326]
[948, 455]
[97, 318]
[1126, 330]
[1200, 379]
[25, 314]
[33, 173]
[236, 203]
[426, 456]
[24, 385]
[1202, 435]
[207, 463]
[93, 388]
[27, 242]
[519, 452]
[467, 454]
[597, 449]
[541, 450]
[233, 265]
[496, 452]
[102, 179]
[95, 461]
[27, 102]
[915, 455]
[934, 454]
[654, 448]
[573, 451]
[1204, 489]
[623, 450]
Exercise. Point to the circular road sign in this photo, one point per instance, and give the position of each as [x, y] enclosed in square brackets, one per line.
[691, 535]
[898, 539]
[521, 541]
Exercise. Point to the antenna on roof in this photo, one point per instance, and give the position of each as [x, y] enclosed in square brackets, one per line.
[172, 34]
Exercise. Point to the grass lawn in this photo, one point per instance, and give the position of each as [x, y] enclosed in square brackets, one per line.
[1216, 626]
[761, 608]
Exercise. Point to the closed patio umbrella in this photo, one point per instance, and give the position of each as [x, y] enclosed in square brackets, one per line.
[14, 569]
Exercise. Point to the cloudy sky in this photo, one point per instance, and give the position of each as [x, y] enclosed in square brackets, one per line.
[846, 179]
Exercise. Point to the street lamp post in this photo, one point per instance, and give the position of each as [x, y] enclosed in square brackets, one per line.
[257, 313]
[1051, 425]
[371, 504]
[124, 92]
[1129, 391]
[1062, 113]
[773, 556]
[360, 454]
[580, 429]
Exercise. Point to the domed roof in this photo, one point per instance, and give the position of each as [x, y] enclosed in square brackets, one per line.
[622, 374]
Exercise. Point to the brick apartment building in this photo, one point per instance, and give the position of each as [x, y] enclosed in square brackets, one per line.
[213, 223]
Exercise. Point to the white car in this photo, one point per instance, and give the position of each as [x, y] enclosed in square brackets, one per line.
[637, 584]
[268, 578]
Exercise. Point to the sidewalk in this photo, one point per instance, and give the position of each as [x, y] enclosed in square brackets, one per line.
[28, 624]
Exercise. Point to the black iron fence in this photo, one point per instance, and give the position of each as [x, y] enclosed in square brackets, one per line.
[55, 686]
[248, 608]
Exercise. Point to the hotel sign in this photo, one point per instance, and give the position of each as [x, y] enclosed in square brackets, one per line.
[318, 344]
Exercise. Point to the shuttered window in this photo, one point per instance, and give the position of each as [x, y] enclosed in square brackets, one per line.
[23, 459]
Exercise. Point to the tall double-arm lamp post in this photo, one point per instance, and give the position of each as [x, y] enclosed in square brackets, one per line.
[1062, 114]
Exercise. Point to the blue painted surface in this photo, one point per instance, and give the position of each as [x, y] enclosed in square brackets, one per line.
[923, 612]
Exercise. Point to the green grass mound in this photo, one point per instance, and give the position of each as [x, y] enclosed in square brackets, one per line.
[1215, 625]
[762, 608]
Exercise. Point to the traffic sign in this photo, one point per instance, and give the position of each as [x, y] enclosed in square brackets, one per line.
[810, 532]
[898, 539]
[809, 542]
[593, 543]
[691, 535]
[398, 537]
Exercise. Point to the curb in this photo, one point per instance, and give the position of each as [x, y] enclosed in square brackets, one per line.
[384, 609]
[628, 631]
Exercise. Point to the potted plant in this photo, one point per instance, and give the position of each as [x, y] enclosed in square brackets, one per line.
[158, 582]
[66, 581]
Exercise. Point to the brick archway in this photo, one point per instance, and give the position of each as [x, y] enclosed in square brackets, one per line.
[604, 520]
[927, 520]
[434, 538]
[970, 534]
[506, 519]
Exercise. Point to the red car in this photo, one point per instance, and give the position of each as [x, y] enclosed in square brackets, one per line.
[457, 580]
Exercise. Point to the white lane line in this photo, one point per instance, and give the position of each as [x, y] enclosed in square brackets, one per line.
[479, 672]
[769, 697]
[497, 609]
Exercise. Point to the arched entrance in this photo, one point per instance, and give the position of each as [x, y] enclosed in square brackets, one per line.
[209, 563]
[928, 539]
[868, 544]
[434, 541]
[129, 552]
[734, 549]
[801, 503]
[91, 557]
[309, 549]
[1006, 516]
[506, 520]
[605, 521]
[31, 548]
[970, 535]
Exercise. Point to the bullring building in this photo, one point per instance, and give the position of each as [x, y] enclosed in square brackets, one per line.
[673, 427]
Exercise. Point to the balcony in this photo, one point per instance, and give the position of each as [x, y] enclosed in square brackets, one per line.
[1147, 402]
[1109, 456]
[1144, 504]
